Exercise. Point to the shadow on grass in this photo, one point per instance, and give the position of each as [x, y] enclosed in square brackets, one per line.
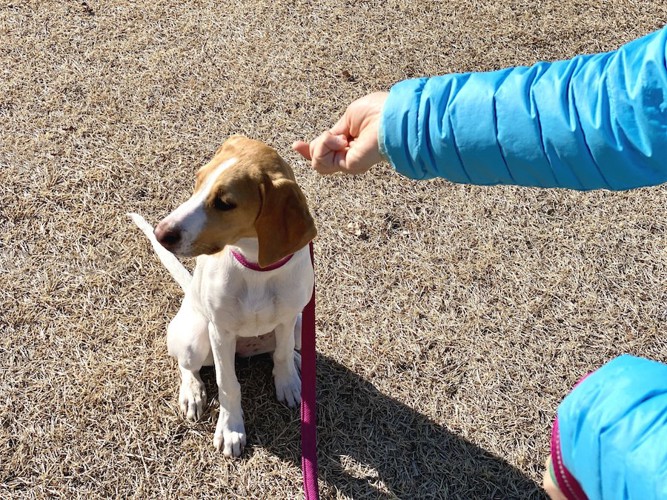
[366, 439]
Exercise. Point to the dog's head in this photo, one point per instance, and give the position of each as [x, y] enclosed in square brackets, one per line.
[247, 190]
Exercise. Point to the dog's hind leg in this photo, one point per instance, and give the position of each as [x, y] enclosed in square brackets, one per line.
[286, 365]
[188, 342]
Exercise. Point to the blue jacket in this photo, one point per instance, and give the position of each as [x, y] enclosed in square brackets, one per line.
[613, 431]
[594, 121]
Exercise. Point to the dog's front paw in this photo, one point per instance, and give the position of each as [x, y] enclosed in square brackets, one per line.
[288, 388]
[192, 396]
[230, 439]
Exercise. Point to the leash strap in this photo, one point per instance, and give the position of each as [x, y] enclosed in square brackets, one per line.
[308, 398]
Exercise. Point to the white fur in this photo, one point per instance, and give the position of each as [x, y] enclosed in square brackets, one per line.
[190, 217]
[226, 302]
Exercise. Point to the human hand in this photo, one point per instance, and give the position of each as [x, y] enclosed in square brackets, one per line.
[351, 146]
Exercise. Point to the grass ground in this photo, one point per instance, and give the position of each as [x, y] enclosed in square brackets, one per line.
[452, 319]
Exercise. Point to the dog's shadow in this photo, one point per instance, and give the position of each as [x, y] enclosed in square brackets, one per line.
[370, 445]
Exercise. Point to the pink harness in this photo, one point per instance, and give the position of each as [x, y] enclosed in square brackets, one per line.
[308, 394]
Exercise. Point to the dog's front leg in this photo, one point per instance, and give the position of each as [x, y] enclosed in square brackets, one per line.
[230, 431]
[285, 373]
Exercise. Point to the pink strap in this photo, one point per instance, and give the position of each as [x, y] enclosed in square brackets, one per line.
[567, 483]
[255, 266]
[308, 398]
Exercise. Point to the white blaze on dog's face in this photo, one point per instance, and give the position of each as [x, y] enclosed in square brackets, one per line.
[246, 190]
[183, 226]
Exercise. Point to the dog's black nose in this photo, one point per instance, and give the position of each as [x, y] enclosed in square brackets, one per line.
[168, 237]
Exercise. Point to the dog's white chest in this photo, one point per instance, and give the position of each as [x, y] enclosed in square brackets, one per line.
[254, 312]
[245, 307]
[249, 303]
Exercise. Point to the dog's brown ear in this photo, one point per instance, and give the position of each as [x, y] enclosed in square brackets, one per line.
[284, 224]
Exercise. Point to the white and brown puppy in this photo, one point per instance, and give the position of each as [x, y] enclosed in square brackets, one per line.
[246, 208]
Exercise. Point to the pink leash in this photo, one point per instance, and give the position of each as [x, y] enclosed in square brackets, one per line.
[308, 398]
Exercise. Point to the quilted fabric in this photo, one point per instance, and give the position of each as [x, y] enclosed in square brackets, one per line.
[594, 121]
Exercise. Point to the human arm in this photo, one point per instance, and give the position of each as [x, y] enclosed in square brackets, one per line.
[594, 121]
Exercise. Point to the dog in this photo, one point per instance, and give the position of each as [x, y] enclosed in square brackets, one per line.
[249, 226]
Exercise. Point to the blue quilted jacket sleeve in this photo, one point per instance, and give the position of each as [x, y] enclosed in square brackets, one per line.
[613, 431]
[594, 121]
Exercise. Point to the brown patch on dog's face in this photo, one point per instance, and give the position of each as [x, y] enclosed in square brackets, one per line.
[230, 207]
[256, 196]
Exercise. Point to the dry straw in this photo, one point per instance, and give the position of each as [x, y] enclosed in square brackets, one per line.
[452, 319]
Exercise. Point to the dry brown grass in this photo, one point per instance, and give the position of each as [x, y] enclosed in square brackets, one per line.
[452, 319]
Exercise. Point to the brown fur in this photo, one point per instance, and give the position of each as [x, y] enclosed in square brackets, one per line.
[268, 202]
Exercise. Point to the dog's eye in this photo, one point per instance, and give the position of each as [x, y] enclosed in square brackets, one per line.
[223, 205]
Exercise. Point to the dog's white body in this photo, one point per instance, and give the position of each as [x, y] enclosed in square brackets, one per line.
[228, 307]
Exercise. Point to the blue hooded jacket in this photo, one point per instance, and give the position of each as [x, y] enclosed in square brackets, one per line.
[594, 121]
[613, 431]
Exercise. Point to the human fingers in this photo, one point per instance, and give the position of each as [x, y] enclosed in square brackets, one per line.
[303, 148]
[363, 153]
[328, 152]
[320, 146]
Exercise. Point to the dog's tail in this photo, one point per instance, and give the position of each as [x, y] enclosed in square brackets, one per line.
[168, 259]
